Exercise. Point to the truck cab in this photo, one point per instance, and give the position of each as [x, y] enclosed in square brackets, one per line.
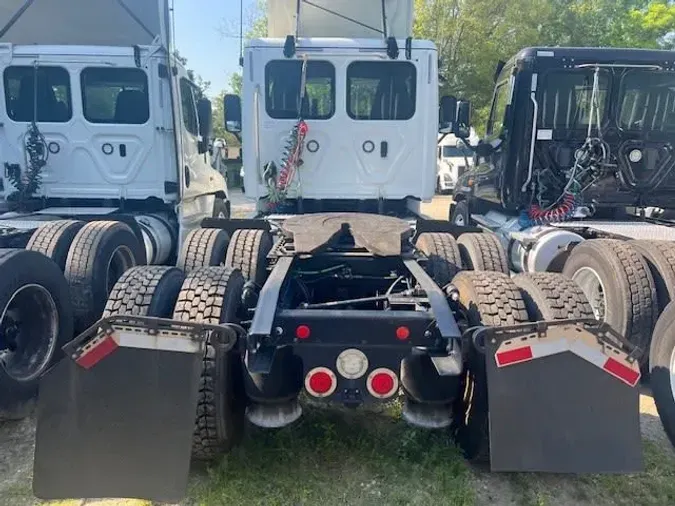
[109, 116]
[549, 103]
[370, 109]
[454, 158]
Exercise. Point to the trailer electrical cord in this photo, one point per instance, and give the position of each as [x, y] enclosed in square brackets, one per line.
[36, 154]
[594, 152]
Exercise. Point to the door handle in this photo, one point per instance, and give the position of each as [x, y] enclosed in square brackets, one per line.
[187, 176]
[384, 148]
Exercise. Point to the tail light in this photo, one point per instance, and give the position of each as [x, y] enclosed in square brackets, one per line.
[382, 383]
[320, 382]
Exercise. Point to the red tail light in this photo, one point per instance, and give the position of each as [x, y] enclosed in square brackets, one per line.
[320, 382]
[382, 383]
[303, 332]
[402, 333]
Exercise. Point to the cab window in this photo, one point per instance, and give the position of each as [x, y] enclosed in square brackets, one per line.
[566, 99]
[51, 92]
[189, 108]
[381, 90]
[500, 101]
[282, 89]
[115, 96]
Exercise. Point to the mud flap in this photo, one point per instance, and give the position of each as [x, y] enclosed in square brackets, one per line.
[563, 398]
[116, 416]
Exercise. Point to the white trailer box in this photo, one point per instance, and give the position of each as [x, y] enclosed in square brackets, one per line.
[340, 18]
[84, 22]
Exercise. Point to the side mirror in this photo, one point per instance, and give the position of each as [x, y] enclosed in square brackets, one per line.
[232, 106]
[447, 114]
[205, 117]
[484, 149]
[463, 127]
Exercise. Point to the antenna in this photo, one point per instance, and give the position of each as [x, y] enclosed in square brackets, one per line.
[384, 19]
[297, 18]
[241, 33]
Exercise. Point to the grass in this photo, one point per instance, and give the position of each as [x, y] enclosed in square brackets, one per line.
[337, 456]
[334, 457]
[656, 485]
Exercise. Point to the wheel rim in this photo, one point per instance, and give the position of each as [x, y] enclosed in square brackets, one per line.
[590, 283]
[30, 317]
[120, 261]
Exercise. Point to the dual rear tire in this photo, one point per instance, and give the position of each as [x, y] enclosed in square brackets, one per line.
[57, 287]
[494, 299]
[210, 291]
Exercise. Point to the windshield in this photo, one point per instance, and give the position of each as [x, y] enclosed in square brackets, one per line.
[450, 151]
[647, 101]
[566, 98]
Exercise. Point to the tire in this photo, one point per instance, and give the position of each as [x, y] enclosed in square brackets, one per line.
[492, 299]
[660, 256]
[147, 290]
[248, 252]
[483, 252]
[34, 291]
[101, 252]
[221, 209]
[661, 369]
[443, 256]
[459, 214]
[53, 239]
[617, 282]
[213, 295]
[204, 247]
[552, 296]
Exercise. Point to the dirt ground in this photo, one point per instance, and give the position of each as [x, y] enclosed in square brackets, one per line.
[17, 443]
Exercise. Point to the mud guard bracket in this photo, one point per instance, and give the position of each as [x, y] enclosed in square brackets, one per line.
[562, 398]
[116, 416]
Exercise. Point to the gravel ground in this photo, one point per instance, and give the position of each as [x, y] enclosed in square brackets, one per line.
[16, 441]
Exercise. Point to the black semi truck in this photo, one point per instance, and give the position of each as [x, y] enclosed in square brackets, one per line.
[575, 175]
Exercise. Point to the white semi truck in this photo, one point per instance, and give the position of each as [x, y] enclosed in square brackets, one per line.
[454, 158]
[339, 290]
[104, 165]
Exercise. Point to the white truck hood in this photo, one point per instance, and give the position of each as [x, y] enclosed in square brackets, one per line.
[85, 22]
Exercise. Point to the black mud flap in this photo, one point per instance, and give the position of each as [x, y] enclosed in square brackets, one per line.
[116, 416]
[563, 398]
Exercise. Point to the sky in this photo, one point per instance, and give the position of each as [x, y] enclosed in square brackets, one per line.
[198, 37]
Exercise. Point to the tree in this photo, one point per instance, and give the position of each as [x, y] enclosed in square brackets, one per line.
[235, 83]
[202, 85]
[473, 35]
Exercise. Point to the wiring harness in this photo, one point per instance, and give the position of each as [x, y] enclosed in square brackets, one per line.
[590, 160]
[279, 181]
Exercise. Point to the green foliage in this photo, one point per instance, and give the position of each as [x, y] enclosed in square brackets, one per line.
[473, 35]
[202, 85]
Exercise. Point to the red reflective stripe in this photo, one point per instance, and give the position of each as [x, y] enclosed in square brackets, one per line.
[98, 352]
[622, 371]
[514, 356]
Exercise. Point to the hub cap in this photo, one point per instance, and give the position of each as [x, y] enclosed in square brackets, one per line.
[28, 332]
[590, 283]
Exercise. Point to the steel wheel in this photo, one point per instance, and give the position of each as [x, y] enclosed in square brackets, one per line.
[29, 321]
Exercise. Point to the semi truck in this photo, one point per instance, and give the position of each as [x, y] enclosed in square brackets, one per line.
[575, 175]
[338, 290]
[103, 144]
[453, 160]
